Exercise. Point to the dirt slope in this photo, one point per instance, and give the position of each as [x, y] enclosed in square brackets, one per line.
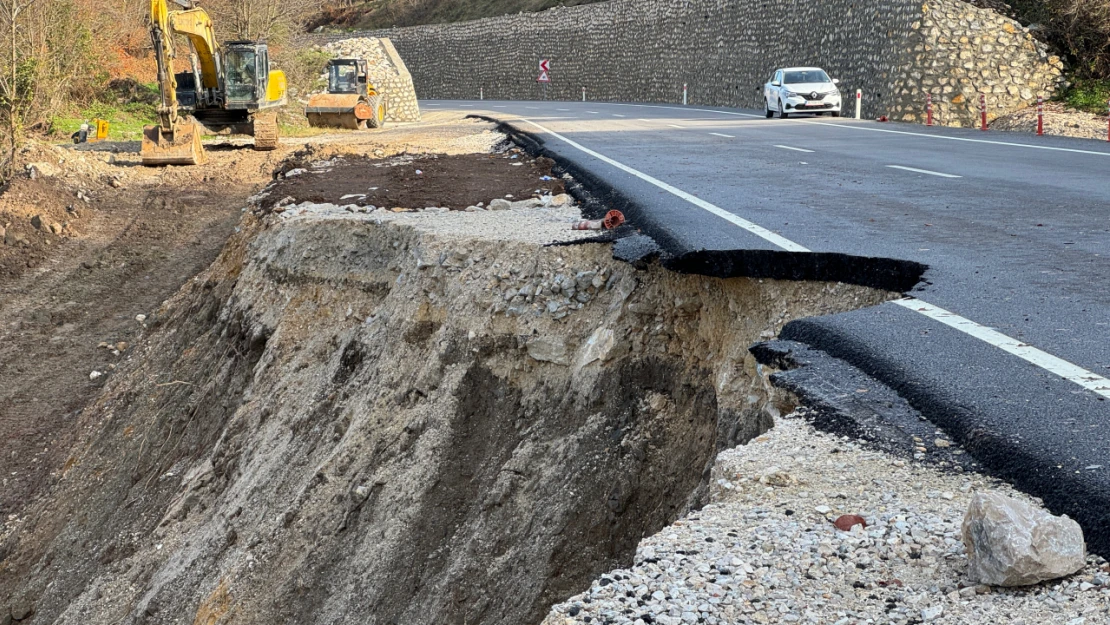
[388, 417]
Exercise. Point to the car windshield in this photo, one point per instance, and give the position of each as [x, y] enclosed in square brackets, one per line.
[806, 75]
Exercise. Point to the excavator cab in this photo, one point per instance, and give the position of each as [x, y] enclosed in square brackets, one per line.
[352, 101]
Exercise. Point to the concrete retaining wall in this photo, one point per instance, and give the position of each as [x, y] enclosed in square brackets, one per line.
[644, 50]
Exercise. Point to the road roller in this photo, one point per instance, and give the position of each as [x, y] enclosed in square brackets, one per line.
[352, 101]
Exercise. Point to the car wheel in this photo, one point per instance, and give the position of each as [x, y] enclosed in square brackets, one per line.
[782, 111]
[835, 113]
[767, 109]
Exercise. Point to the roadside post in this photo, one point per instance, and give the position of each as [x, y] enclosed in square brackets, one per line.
[583, 94]
[545, 76]
[859, 102]
[481, 93]
[1108, 127]
[983, 111]
[683, 94]
[1040, 117]
[928, 109]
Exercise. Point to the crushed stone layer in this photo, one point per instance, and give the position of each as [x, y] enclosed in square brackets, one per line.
[766, 550]
[537, 224]
[1059, 120]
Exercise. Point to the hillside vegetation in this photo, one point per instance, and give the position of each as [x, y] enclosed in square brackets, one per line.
[345, 14]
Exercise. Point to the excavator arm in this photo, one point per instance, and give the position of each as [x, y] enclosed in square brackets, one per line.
[175, 141]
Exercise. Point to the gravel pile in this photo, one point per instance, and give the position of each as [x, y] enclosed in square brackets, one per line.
[1058, 121]
[766, 550]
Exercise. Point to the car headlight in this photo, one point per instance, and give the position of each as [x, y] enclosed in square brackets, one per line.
[791, 94]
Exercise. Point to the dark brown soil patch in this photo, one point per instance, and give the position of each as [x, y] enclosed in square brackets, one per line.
[454, 182]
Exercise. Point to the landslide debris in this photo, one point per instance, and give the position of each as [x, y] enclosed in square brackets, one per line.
[358, 418]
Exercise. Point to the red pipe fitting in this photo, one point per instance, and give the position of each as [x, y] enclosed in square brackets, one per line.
[613, 219]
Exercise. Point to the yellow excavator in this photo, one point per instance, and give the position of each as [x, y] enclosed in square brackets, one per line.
[228, 87]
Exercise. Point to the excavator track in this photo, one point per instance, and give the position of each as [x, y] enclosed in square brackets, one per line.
[265, 131]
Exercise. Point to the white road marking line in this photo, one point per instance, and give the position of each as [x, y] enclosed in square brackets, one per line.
[617, 115]
[531, 108]
[498, 107]
[923, 171]
[646, 120]
[787, 147]
[1044, 360]
[717, 134]
[1048, 362]
[563, 110]
[886, 130]
[675, 126]
[755, 229]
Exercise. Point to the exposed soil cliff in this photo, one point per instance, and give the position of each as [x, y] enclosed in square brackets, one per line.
[398, 418]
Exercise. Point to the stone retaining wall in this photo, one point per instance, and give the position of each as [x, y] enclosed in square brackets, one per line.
[644, 50]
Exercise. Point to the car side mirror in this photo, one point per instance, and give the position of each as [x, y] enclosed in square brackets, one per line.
[776, 84]
[836, 81]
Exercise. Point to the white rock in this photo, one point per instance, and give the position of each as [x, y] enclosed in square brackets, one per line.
[932, 612]
[1011, 543]
[500, 205]
[94, 375]
[823, 509]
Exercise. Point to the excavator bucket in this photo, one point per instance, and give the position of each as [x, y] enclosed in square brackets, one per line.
[182, 147]
[338, 110]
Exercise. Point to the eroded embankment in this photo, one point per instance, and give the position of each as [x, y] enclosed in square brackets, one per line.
[356, 419]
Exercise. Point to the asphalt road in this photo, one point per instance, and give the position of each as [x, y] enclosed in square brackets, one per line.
[1014, 229]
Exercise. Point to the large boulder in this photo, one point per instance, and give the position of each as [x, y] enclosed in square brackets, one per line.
[1011, 543]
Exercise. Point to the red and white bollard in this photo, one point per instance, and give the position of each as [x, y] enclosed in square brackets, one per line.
[983, 110]
[859, 102]
[928, 109]
[583, 94]
[1040, 117]
[1108, 127]
[683, 94]
[481, 93]
[612, 220]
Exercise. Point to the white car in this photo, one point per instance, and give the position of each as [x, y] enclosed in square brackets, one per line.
[801, 90]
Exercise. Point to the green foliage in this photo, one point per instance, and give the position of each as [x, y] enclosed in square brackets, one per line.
[371, 14]
[1091, 95]
[303, 69]
[1078, 29]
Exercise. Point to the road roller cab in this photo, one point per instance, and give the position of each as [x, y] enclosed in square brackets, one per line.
[352, 101]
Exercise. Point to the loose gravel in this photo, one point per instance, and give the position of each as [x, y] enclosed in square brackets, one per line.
[765, 550]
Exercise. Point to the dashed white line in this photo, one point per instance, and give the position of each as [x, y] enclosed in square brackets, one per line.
[1028, 353]
[755, 229]
[1057, 366]
[646, 120]
[675, 126]
[563, 110]
[787, 147]
[531, 108]
[498, 107]
[593, 112]
[863, 128]
[923, 171]
[617, 115]
[717, 134]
